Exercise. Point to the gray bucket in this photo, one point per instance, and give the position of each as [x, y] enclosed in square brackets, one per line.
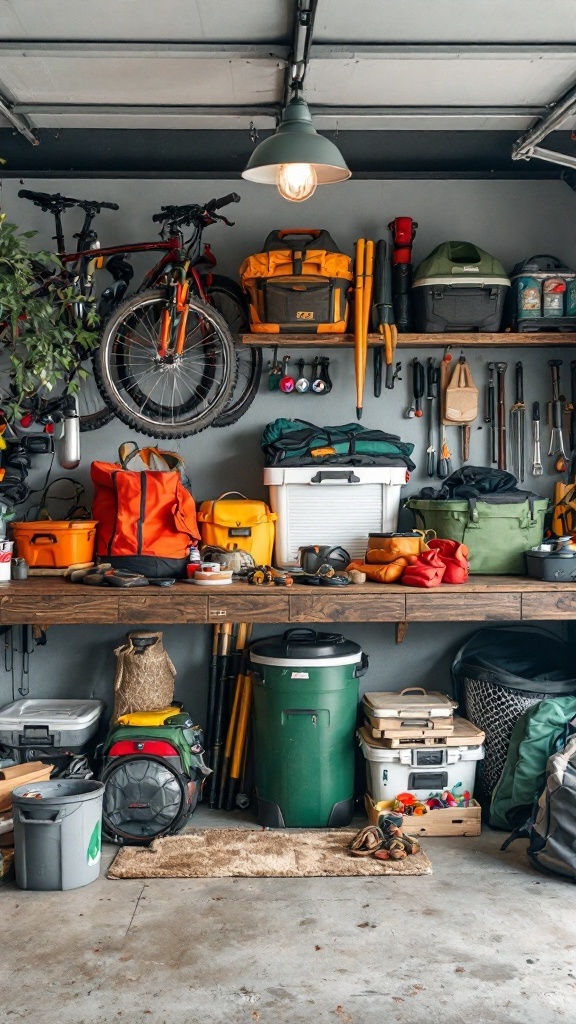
[57, 833]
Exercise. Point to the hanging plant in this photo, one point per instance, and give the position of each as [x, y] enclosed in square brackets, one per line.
[42, 341]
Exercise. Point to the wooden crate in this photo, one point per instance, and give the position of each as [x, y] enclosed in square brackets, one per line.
[464, 734]
[447, 821]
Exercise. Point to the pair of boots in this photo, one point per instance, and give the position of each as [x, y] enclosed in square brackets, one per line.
[384, 841]
[446, 561]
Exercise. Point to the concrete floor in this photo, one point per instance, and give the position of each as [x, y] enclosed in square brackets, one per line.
[484, 939]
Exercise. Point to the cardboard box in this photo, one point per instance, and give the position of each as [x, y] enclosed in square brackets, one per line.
[447, 821]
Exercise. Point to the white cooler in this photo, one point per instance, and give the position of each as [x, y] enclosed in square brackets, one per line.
[336, 505]
[65, 724]
[419, 770]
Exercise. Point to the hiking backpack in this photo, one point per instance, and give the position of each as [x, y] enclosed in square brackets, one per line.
[552, 828]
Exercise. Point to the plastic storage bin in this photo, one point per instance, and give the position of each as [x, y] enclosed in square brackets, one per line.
[459, 287]
[542, 296]
[66, 724]
[305, 687]
[332, 505]
[52, 544]
[57, 834]
[553, 566]
[420, 770]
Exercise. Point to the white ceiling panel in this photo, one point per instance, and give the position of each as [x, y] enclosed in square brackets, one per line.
[446, 21]
[361, 79]
[154, 20]
[166, 119]
[155, 78]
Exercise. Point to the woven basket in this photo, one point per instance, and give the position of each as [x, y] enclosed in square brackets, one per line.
[144, 675]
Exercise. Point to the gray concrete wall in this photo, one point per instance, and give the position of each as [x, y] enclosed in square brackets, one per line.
[512, 220]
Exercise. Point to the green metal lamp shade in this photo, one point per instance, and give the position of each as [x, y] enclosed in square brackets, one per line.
[296, 141]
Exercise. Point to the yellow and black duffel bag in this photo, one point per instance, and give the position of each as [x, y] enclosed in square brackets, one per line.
[300, 282]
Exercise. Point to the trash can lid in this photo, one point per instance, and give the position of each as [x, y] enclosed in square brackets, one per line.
[305, 644]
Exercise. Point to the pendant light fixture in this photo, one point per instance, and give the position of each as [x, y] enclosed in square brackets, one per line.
[296, 158]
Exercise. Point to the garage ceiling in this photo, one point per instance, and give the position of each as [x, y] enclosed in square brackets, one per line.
[181, 87]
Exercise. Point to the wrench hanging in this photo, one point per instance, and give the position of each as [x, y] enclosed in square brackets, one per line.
[518, 426]
[501, 374]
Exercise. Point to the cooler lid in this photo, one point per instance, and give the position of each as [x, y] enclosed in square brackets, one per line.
[56, 714]
[305, 644]
[412, 702]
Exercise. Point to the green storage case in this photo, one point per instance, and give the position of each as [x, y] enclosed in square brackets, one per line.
[459, 287]
[497, 534]
[305, 687]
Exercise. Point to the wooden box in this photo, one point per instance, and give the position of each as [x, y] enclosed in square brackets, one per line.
[447, 821]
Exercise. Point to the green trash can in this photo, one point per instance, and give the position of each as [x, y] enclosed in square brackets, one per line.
[57, 833]
[305, 687]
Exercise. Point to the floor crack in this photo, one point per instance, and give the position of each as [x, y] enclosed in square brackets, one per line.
[135, 909]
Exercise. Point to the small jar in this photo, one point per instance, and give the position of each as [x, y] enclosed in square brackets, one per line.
[19, 569]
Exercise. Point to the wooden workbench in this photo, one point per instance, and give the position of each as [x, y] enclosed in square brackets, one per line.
[482, 599]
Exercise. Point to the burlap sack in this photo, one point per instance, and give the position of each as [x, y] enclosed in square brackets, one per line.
[144, 677]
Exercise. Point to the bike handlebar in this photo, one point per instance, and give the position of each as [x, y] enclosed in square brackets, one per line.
[192, 211]
[58, 202]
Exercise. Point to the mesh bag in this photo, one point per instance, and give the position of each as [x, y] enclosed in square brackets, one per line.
[144, 675]
[498, 674]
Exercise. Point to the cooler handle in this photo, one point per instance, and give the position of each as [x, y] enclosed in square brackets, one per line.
[412, 689]
[45, 737]
[24, 818]
[299, 632]
[349, 476]
[362, 666]
[48, 538]
[287, 232]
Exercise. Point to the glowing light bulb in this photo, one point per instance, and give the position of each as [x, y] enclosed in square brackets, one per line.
[296, 182]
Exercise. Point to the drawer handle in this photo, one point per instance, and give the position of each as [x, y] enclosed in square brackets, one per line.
[218, 613]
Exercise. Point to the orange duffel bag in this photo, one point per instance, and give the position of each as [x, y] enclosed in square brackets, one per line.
[146, 517]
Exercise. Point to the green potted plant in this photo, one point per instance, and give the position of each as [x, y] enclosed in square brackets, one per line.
[42, 342]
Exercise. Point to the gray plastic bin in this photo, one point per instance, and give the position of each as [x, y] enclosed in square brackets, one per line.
[57, 833]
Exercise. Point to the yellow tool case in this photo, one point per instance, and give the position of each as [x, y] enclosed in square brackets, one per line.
[299, 283]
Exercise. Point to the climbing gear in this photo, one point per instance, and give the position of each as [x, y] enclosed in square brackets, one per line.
[287, 383]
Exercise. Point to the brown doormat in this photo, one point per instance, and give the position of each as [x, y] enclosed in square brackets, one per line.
[246, 853]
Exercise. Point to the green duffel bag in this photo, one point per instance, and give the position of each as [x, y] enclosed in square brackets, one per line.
[496, 532]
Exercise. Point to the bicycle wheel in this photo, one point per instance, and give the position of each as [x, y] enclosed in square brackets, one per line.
[92, 409]
[228, 298]
[165, 396]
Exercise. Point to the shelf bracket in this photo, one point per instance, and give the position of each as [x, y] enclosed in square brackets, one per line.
[401, 630]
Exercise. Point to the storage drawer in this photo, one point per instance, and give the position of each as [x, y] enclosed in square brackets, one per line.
[336, 606]
[172, 606]
[558, 605]
[477, 607]
[55, 609]
[270, 606]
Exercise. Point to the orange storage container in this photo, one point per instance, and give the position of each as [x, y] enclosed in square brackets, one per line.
[55, 544]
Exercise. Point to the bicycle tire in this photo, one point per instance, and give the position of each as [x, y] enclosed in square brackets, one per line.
[215, 349]
[248, 357]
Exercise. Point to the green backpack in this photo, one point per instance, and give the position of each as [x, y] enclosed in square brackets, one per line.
[538, 733]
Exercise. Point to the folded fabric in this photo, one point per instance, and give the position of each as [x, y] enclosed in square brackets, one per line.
[383, 573]
[455, 558]
[427, 570]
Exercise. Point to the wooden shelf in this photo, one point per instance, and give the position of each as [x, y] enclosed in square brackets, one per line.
[475, 340]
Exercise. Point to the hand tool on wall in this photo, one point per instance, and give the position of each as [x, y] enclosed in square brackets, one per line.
[302, 382]
[384, 317]
[367, 303]
[444, 467]
[274, 371]
[321, 383]
[418, 385]
[465, 441]
[573, 406]
[403, 233]
[490, 416]
[212, 687]
[358, 323]
[501, 375]
[287, 383]
[518, 426]
[537, 467]
[556, 446]
[432, 378]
